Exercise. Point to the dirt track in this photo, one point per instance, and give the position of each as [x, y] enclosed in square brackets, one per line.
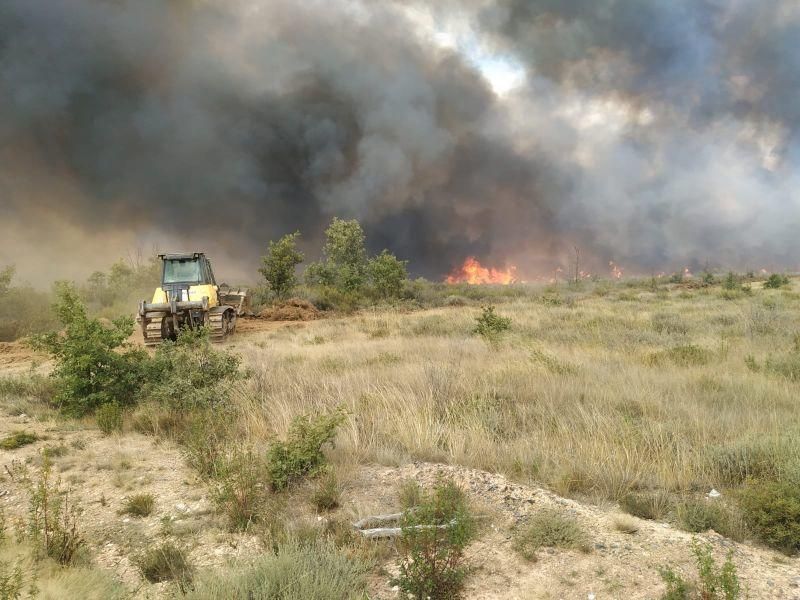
[17, 358]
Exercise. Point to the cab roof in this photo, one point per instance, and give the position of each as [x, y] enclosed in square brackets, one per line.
[182, 256]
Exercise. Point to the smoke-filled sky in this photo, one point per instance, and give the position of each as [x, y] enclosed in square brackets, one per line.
[655, 134]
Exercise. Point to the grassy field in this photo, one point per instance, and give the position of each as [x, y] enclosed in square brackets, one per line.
[594, 392]
[635, 397]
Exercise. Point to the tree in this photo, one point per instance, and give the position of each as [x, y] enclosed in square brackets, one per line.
[280, 264]
[6, 275]
[345, 264]
[387, 274]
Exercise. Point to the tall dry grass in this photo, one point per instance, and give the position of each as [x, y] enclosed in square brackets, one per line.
[595, 392]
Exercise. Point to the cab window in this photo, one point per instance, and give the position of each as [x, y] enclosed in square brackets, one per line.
[182, 271]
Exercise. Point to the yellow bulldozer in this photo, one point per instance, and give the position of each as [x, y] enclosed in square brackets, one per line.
[189, 297]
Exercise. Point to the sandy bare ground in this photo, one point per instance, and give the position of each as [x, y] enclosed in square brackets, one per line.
[620, 565]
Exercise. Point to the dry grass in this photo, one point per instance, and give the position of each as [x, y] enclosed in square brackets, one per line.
[569, 397]
[626, 524]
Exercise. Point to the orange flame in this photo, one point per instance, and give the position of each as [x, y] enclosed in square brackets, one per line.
[473, 273]
[616, 271]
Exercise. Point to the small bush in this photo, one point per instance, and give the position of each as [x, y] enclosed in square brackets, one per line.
[653, 506]
[490, 324]
[677, 587]
[295, 571]
[109, 418]
[301, 453]
[698, 516]
[713, 583]
[787, 366]
[241, 492]
[12, 581]
[95, 364]
[18, 439]
[31, 386]
[550, 529]
[190, 374]
[755, 459]
[410, 494]
[775, 281]
[139, 505]
[688, 355]
[772, 511]
[387, 275]
[280, 264]
[731, 282]
[166, 562]
[626, 524]
[455, 301]
[53, 517]
[326, 492]
[669, 323]
[202, 435]
[435, 534]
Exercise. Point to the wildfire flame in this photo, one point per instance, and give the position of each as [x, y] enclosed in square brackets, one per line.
[473, 273]
[616, 271]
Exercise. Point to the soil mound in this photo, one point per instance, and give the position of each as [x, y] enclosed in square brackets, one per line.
[294, 309]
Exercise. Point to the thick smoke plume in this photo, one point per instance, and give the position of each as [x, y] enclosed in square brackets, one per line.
[655, 134]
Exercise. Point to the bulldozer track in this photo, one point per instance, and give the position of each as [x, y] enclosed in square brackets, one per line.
[220, 325]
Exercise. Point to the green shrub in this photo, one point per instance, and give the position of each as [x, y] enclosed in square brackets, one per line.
[344, 266]
[490, 324]
[95, 365]
[731, 282]
[190, 373]
[109, 418]
[775, 281]
[294, 571]
[677, 587]
[280, 264]
[713, 583]
[139, 505]
[17, 440]
[772, 511]
[387, 275]
[166, 562]
[550, 529]
[301, 453]
[653, 506]
[698, 516]
[434, 536]
[12, 581]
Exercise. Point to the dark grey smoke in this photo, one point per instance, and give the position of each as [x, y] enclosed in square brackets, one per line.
[245, 120]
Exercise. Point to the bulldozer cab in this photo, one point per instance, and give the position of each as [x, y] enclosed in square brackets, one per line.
[192, 269]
